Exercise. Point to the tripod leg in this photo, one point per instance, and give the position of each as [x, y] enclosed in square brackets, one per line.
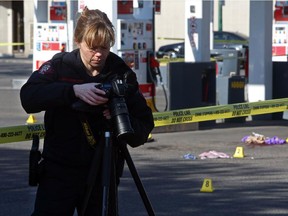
[137, 179]
[109, 188]
[106, 173]
[113, 189]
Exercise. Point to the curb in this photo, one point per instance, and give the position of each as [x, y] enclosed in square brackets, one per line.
[16, 60]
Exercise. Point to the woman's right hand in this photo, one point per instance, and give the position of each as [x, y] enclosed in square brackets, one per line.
[90, 94]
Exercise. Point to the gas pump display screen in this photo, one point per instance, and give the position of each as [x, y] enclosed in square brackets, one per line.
[279, 28]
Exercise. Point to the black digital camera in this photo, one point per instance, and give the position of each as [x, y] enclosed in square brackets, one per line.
[116, 88]
[120, 121]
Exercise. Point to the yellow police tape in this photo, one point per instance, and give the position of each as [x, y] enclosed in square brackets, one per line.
[21, 133]
[12, 44]
[182, 116]
[219, 112]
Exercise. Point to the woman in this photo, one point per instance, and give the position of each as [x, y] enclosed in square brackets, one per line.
[60, 83]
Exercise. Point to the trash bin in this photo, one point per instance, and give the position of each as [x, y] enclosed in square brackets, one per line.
[279, 85]
[192, 84]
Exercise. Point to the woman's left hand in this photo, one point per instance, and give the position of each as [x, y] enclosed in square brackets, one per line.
[106, 113]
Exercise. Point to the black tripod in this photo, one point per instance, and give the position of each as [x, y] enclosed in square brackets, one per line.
[108, 164]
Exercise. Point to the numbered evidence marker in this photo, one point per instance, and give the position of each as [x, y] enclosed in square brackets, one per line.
[239, 152]
[207, 186]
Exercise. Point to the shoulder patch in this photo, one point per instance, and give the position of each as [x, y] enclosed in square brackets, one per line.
[46, 68]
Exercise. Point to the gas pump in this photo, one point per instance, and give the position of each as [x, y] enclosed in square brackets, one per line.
[51, 33]
[135, 43]
[280, 32]
[50, 38]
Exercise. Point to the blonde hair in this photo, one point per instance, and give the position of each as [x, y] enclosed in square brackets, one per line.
[95, 29]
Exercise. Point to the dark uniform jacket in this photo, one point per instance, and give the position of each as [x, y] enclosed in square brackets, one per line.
[50, 89]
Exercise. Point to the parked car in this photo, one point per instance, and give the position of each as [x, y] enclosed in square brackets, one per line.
[176, 50]
[222, 40]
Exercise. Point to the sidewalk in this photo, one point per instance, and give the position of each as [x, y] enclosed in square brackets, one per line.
[17, 58]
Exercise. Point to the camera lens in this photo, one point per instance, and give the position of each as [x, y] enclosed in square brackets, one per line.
[120, 118]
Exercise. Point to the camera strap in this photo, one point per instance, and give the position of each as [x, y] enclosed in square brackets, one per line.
[87, 130]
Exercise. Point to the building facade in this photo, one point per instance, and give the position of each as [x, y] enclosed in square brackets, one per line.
[17, 22]
[16, 27]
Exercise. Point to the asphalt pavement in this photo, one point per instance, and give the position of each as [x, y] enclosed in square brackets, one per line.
[255, 185]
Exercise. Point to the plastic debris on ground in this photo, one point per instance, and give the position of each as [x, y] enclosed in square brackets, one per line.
[260, 139]
[213, 154]
[189, 156]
